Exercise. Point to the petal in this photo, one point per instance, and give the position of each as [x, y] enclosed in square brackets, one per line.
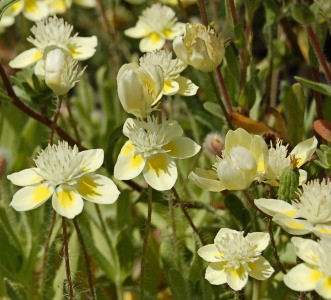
[91, 160]
[25, 177]
[83, 47]
[182, 147]
[39, 68]
[85, 3]
[176, 30]
[35, 10]
[67, 202]
[215, 274]
[31, 197]
[186, 86]
[322, 230]
[307, 250]
[180, 49]
[210, 253]
[160, 172]
[293, 226]
[98, 189]
[153, 42]
[302, 278]
[26, 58]
[273, 206]
[302, 176]
[324, 287]
[304, 151]
[207, 180]
[128, 164]
[260, 269]
[225, 232]
[260, 239]
[237, 278]
[137, 32]
[170, 87]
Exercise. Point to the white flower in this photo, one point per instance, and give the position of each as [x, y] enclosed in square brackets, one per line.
[157, 24]
[200, 47]
[315, 271]
[66, 174]
[50, 34]
[61, 71]
[35, 10]
[233, 257]
[279, 159]
[61, 6]
[139, 88]
[8, 17]
[310, 213]
[151, 149]
[243, 160]
[173, 82]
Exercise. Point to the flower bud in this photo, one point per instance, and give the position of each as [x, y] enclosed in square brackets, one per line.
[200, 47]
[139, 88]
[214, 144]
[61, 72]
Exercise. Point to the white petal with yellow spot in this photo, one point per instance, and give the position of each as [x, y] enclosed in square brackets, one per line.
[215, 274]
[153, 41]
[25, 177]
[91, 160]
[26, 58]
[273, 206]
[206, 179]
[83, 47]
[98, 189]
[293, 226]
[182, 147]
[67, 202]
[237, 278]
[210, 253]
[160, 172]
[260, 269]
[31, 197]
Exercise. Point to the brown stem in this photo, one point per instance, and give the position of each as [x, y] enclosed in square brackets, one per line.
[317, 96]
[224, 89]
[146, 238]
[66, 258]
[56, 116]
[273, 244]
[187, 216]
[49, 234]
[203, 12]
[218, 96]
[86, 257]
[233, 12]
[302, 296]
[30, 112]
[319, 53]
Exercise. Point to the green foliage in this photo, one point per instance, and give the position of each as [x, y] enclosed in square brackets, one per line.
[288, 184]
[324, 157]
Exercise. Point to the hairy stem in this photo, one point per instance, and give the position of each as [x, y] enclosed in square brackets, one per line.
[33, 114]
[224, 89]
[273, 245]
[146, 238]
[86, 257]
[187, 216]
[66, 258]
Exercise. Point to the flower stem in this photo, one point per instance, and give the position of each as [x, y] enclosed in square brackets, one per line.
[173, 228]
[86, 257]
[146, 238]
[49, 234]
[203, 12]
[273, 244]
[72, 121]
[66, 258]
[56, 116]
[218, 96]
[224, 89]
[33, 114]
[187, 216]
[319, 53]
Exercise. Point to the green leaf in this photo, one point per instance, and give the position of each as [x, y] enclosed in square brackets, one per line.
[303, 14]
[4, 4]
[15, 291]
[178, 285]
[214, 109]
[322, 88]
[237, 209]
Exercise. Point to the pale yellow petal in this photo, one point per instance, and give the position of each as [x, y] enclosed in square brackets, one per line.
[215, 274]
[26, 58]
[260, 269]
[207, 180]
[25, 177]
[273, 206]
[182, 147]
[83, 48]
[237, 278]
[304, 151]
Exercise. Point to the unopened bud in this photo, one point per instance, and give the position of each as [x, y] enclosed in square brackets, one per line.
[214, 143]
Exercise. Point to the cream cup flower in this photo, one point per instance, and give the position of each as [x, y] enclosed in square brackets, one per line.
[68, 176]
[233, 257]
[53, 33]
[35, 10]
[315, 271]
[311, 212]
[61, 72]
[279, 159]
[151, 150]
[173, 82]
[156, 24]
[243, 160]
[139, 88]
[200, 47]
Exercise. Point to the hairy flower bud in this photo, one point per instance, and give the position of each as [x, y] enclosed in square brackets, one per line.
[61, 72]
[200, 47]
[139, 88]
[214, 143]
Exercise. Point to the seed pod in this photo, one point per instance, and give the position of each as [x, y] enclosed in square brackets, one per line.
[289, 182]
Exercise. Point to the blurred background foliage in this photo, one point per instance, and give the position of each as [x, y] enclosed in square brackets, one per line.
[277, 90]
